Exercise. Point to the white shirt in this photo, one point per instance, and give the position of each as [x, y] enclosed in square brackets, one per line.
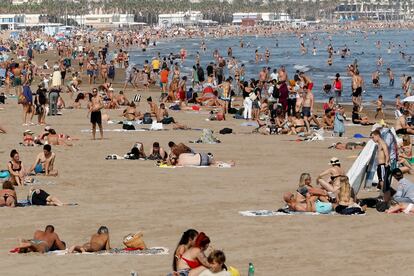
[207, 272]
[274, 76]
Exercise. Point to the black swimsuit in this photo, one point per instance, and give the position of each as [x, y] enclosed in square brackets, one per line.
[16, 170]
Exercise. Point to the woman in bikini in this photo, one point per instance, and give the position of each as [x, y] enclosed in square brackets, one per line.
[16, 170]
[194, 261]
[186, 242]
[131, 113]
[333, 185]
[8, 195]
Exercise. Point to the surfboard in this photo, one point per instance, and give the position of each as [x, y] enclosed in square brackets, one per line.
[357, 174]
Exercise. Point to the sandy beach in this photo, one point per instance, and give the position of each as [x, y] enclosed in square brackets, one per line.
[128, 196]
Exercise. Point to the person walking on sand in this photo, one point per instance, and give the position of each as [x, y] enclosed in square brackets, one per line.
[95, 112]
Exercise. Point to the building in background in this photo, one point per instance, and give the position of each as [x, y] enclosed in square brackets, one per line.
[180, 19]
[103, 20]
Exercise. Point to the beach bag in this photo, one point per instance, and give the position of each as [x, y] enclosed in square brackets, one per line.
[147, 119]
[253, 96]
[21, 99]
[137, 98]
[128, 127]
[226, 130]
[135, 241]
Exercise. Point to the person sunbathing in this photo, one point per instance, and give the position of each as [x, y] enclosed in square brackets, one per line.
[121, 99]
[358, 119]
[179, 149]
[137, 152]
[347, 199]
[186, 242]
[8, 195]
[42, 198]
[311, 203]
[194, 261]
[305, 187]
[197, 159]
[328, 120]
[42, 242]
[164, 118]
[348, 146]
[131, 113]
[298, 124]
[44, 162]
[98, 242]
[16, 169]
[28, 139]
[157, 153]
[58, 140]
[334, 173]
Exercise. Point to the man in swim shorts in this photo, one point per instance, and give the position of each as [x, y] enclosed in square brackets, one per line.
[44, 162]
[95, 110]
[383, 168]
[42, 242]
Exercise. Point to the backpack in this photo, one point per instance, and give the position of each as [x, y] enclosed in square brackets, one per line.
[147, 119]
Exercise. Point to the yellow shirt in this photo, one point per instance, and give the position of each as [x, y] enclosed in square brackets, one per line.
[155, 64]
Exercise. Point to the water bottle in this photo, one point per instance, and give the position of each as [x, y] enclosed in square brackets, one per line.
[251, 270]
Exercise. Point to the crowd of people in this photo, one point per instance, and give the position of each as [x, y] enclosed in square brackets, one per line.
[279, 104]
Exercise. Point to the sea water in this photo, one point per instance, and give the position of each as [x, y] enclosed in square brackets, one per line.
[285, 50]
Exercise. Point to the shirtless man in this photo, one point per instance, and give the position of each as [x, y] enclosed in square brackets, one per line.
[375, 79]
[307, 106]
[42, 242]
[357, 83]
[98, 242]
[383, 169]
[95, 111]
[44, 162]
[197, 159]
[401, 126]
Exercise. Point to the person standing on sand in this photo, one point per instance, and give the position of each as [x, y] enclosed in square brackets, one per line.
[383, 168]
[95, 111]
[98, 242]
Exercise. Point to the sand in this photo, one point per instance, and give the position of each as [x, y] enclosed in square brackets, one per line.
[128, 196]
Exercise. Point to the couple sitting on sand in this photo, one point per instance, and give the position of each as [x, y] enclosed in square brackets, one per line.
[190, 259]
[48, 240]
[44, 164]
[333, 195]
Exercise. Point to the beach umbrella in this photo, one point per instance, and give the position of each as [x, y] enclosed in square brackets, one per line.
[409, 99]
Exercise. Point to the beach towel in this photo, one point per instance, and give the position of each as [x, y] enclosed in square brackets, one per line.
[153, 251]
[221, 166]
[26, 203]
[117, 130]
[206, 138]
[31, 182]
[282, 212]
[253, 124]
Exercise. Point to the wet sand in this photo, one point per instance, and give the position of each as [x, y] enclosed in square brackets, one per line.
[128, 196]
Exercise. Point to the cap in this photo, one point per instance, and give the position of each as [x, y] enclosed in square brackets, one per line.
[47, 128]
[28, 131]
[335, 161]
